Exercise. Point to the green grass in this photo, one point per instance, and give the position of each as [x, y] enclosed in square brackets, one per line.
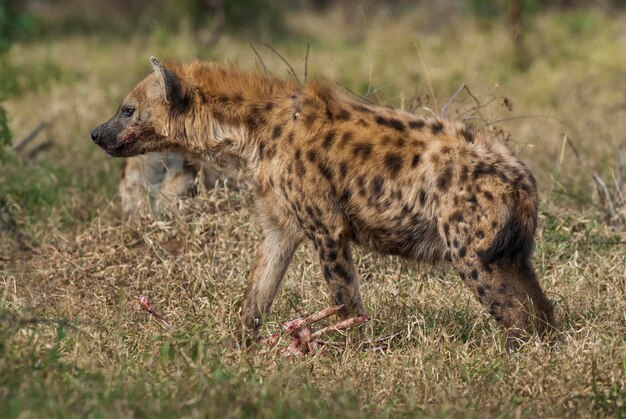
[74, 343]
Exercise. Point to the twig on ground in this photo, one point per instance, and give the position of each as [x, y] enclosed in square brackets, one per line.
[30, 137]
[145, 304]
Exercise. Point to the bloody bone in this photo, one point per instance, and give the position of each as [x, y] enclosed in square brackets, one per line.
[145, 304]
[303, 341]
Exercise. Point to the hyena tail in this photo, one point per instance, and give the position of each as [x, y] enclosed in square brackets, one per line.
[514, 242]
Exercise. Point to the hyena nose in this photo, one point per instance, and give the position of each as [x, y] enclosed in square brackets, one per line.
[95, 136]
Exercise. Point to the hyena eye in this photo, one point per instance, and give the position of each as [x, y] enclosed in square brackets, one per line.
[128, 111]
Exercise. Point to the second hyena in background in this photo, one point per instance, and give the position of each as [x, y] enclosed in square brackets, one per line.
[337, 171]
[157, 180]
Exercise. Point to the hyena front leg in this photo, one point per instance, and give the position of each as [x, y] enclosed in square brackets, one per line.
[272, 261]
[339, 273]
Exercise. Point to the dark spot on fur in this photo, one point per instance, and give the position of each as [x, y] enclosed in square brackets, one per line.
[377, 185]
[415, 161]
[390, 122]
[467, 133]
[481, 291]
[456, 217]
[436, 127]
[328, 140]
[311, 155]
[261, 151]
[362, 122]
[276, 132]
[343, 170]
[326, 170]
[444, 181]
[327, 273]
[342, 273]
[474, 274]
[290, 137]
[446, 229]
[343, 115]
[422, 197]
[362, 150]
[339, 298]
[345, 196]
[400, 142]
[488, 195]
[482, 169]
[346, 137]
[393, 162]
[462, 252]
[417, 124]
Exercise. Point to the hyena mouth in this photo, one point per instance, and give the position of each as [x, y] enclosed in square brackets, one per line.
[124, 149]
[117, 150]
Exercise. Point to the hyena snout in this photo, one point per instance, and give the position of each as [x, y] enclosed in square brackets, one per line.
[96, 136]
[116, 140]
[106, 137]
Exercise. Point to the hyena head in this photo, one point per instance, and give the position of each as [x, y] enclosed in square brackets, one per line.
[143, 121]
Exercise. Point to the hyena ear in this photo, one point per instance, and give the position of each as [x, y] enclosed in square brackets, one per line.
[173, 89]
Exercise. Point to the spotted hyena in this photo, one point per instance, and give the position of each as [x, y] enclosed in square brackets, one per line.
[336, 171]
[156, 180]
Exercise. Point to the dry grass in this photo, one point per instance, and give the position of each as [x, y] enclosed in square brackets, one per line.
[73, 340]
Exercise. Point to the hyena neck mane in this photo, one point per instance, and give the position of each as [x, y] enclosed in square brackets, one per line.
[224, 112]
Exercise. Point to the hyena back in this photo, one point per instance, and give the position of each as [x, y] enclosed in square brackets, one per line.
[337, 171]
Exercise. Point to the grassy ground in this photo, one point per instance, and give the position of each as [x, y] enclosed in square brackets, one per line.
[73, 341]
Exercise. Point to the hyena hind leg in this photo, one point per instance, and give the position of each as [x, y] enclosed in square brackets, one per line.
[543, 308]
[509, 291]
